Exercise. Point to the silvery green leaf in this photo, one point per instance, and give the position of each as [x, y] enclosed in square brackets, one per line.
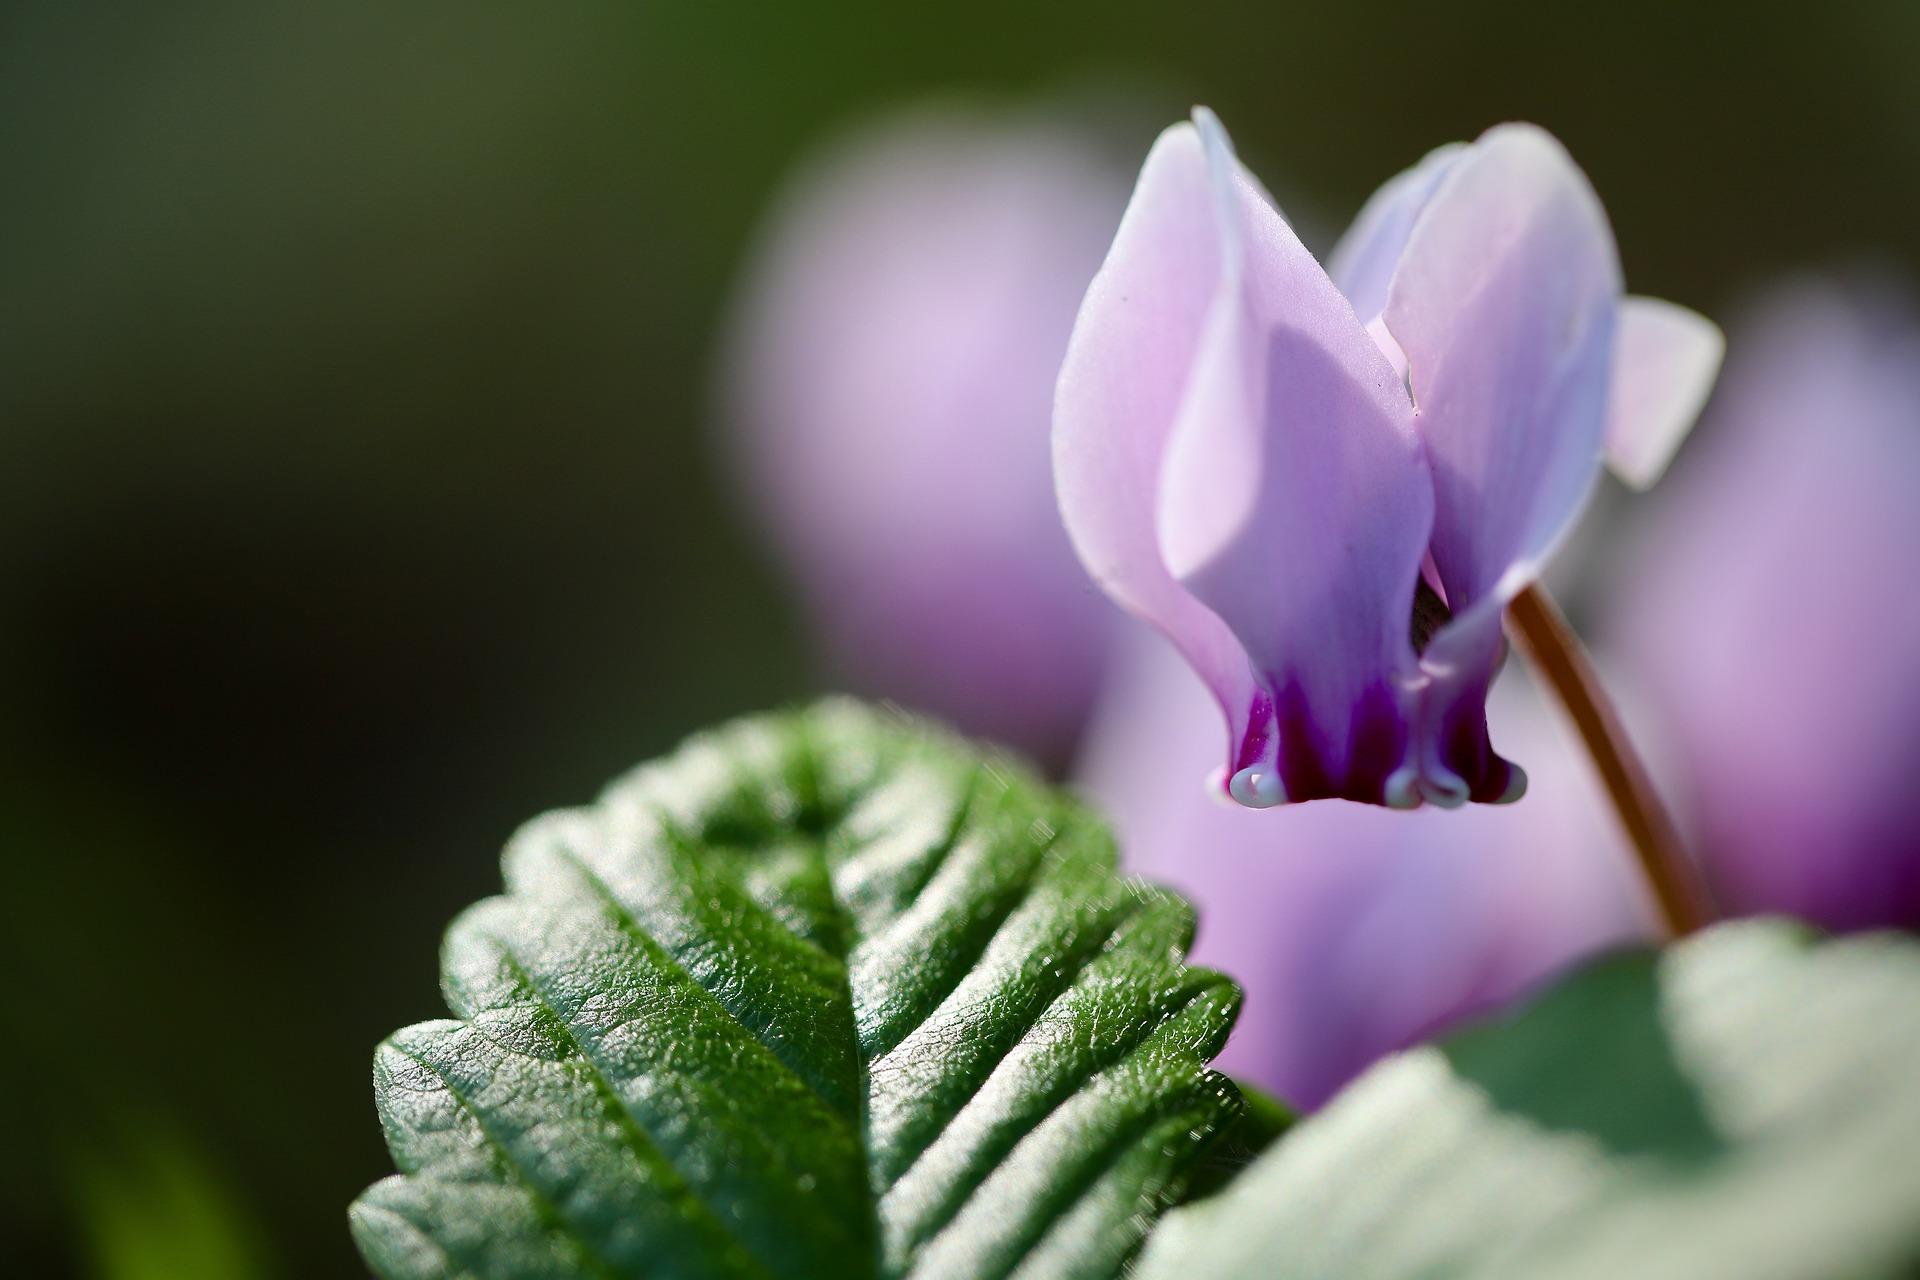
[1746, 1104]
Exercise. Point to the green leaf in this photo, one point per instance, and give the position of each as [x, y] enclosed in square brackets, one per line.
[1745, 1104]
[822, 994]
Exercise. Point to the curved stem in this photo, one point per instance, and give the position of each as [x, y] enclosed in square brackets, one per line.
[1541, 631]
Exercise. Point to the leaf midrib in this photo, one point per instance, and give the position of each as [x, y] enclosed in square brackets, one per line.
[818, 836]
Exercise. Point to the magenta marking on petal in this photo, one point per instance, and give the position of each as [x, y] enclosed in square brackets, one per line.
[1284, 735]
[1379, 734]
[1257, 742]
[1467, 750]
[1302, 767]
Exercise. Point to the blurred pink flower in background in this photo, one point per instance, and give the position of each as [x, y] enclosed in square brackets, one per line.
[1357, 930]
[890, 385]
[1771, 620]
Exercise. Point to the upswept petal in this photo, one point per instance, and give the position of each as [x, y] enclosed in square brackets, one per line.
[1665, 359]
[1121, 385]
[1295, 502]
[1362, 264]
[1504, 303]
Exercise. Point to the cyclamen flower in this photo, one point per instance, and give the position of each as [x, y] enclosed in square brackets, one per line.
[1258, 456]
[1771, 617]
[889, 382]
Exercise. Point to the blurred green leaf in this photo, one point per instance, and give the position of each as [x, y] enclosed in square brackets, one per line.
[1745, 1104]
[151, 1208]
[821, 994]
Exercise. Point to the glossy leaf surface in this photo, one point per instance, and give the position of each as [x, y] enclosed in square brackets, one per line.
[822, 994]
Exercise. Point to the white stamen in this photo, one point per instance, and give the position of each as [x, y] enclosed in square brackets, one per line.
[1258, 787]
[1516, 786]
[1403, 788]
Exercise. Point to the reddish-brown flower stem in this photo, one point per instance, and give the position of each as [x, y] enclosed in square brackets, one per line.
[1540, 630]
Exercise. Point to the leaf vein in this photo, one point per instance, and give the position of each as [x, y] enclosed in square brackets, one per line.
[1001, 1148]
[645, 1146]
[624, 920]
[552, 1220]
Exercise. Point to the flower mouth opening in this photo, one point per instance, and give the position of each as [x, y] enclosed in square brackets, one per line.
[1288, 755]
[1430, 613]
[1446, 791]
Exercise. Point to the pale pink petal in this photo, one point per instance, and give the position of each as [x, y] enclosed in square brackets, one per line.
[1665, 359]
[1362, 264]
[1504, 303]
[1295, 502]
[1121, 387]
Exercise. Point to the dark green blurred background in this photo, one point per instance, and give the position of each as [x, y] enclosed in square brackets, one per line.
[357, 499]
